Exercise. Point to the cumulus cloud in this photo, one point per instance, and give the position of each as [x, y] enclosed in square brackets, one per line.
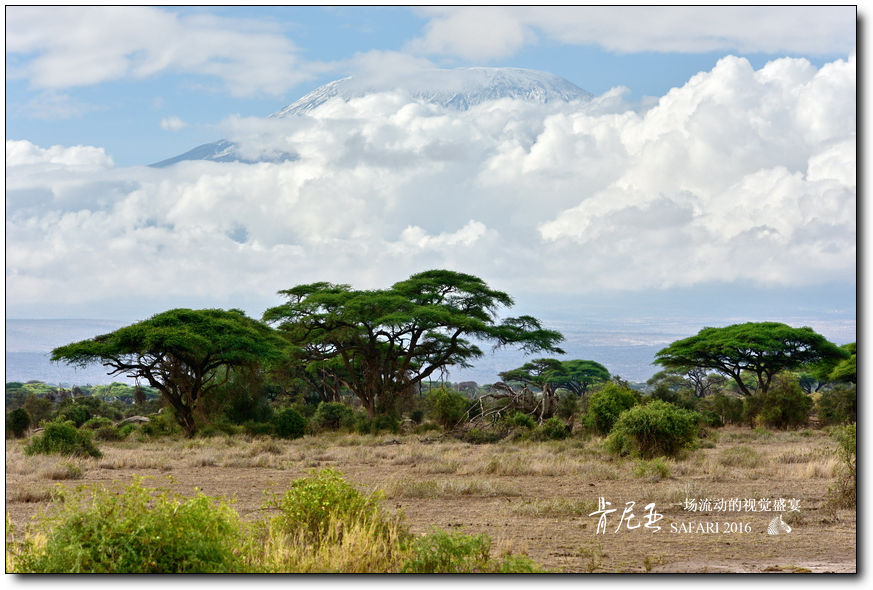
[173, 123]
[483, 33]
[57, 47]
[739, 175]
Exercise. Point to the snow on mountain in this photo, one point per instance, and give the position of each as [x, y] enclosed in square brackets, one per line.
[457, 89]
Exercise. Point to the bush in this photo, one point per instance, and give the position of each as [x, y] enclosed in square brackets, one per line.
[76, 413]
[729, 409]
[333, 415]
[164, 424]
[326, 525]
[656, 429]
[135, 530]
[441, 552]
[98, 422]
[17, 423]
[447, 407]
[606, 404]
[289, 423]
[785, 405]
[838, 405]
[107, 433]
[552, 429]
[64, 439]
[844, 493]
[387, 423]
[520, 420]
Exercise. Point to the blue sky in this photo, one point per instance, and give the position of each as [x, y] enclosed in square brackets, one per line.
[712, 181]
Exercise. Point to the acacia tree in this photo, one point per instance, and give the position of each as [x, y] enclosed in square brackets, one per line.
[763, 349]
[183, 353]
[387, 341]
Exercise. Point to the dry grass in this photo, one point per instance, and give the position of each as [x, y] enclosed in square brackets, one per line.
[408, 488]
[554, 507]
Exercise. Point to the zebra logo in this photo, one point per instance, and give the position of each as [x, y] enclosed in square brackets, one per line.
[777, 526]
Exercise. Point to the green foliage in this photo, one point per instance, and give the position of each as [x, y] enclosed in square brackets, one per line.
[97, 422]
[483, 436]
[520, 420]
[62, 438]
[783, 405]
[446, 406]
[333, 415]
[838, 405]
[39, 408]
[656, 429]
[395, 338]
[184, 353]
[442, 552]
[763, 349]
[76, 413]
[552, 429]
[164, 424]
[308, 507]
[844, 493]
[445, 552]
[606, 404]
[289, 423]
[17, 423]
[136, 530]
[729, 409]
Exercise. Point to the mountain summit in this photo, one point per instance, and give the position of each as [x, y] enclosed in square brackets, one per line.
[457, 89]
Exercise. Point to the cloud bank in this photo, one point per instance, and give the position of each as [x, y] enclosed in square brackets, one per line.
[739, 175]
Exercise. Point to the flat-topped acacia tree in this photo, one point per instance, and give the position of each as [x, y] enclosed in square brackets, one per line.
[761, 348]
[387, 341]
[183, 353]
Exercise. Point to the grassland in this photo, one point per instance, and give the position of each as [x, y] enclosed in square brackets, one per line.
[531, 498]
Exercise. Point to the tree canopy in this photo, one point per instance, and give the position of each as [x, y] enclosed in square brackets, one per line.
[575, 375]
[763, 349]
[381, 343]
[183, 353]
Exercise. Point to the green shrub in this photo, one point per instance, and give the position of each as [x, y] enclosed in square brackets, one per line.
[606, 404]
[107, 433]
[97, 422]
[309, 500]
[656, 429]
[417, 416]
[729, 409]
[386, 423]
[441, 552]
[552, 429]
[520, 420]
[62, 438]
[838, 405]
[135, 530]
[483, 436]
[333, 415]
[288, 423]
[76, 413]
[164, 424]
[844, 493]
[17, 423]
[258, 428]
[784, 405]
[447, 407]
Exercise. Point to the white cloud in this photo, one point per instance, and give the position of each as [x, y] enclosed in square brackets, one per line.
[484, 33]
[739, 175]
[61, 47]
[173, 123]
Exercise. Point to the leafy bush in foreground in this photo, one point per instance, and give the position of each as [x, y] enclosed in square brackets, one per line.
[135, 530]
[62, 438]
[844, 493]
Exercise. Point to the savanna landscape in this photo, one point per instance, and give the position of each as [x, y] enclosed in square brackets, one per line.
[317, 440]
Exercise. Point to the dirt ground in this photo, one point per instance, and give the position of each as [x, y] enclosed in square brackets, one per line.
[820, 540]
